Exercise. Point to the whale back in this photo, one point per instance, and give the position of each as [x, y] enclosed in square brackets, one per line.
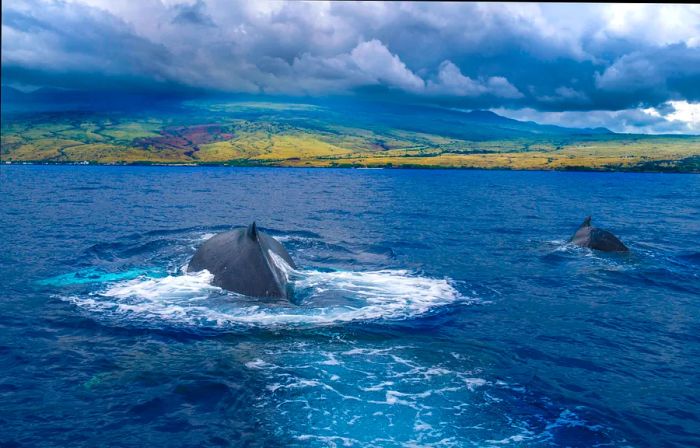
[242, 261]
[598, 239]
[606, 241]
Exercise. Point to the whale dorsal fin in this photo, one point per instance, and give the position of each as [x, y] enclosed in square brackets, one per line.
[252, 231]
[586, 222]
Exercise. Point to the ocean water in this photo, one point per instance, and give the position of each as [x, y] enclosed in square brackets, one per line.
[435, 308]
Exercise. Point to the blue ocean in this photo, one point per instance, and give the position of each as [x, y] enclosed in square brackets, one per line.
[434, 309]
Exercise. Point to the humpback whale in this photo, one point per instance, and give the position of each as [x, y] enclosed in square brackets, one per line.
[243, 261]
[598, 239]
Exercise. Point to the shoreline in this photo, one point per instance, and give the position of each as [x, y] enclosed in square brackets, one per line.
[392, 167]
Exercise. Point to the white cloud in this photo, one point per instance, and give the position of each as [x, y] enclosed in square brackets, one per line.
[685, 112]
[451, 81]
[654, 24]
[673, 117]
[374, 59]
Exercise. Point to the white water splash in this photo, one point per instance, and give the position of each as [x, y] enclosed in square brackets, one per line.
[326, 298]
[189, 287]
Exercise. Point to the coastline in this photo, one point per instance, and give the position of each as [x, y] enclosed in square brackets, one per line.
[584, 169]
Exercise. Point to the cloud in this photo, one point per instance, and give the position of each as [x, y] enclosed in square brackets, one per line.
[672, 117]
[565, 95]
[374, 59]
[670, 24]
[451, 81]
[546, 57]
[192, 14]
[671, 72]
[65, 40]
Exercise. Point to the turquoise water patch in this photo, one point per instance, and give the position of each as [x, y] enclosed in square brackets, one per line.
[94, 275]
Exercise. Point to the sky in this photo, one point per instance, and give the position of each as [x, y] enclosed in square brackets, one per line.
[630, 68]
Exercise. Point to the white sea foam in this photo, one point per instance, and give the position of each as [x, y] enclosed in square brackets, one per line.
[258, 364]
[325, 298]
[295, 238]
[189, 287]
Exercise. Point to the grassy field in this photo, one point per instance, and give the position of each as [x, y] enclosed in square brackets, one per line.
[273, 134]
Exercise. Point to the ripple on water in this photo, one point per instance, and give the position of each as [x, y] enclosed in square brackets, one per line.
[347, 394]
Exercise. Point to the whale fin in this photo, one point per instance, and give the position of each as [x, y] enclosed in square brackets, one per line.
[586, 223]
[252, 231]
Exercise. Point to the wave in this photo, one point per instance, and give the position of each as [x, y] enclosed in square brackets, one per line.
[324, 298]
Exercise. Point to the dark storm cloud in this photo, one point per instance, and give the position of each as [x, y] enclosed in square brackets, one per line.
[658, 73]
[193, 14]
[544, 57]
[75, 46]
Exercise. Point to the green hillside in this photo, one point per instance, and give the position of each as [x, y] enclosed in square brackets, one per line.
[296, 134]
